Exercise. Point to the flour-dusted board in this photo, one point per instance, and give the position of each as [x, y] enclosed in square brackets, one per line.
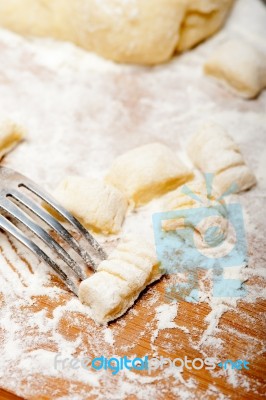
[81, 112]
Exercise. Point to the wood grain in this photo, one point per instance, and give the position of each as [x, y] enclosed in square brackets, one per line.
[236, 332]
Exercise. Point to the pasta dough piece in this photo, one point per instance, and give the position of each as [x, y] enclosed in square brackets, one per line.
[203, 18]
[120, 279]
[10, 135]
[212, 150]
[206, 229]
[95, 204]
[147, 171]
[240, 66]
[195, 195]
[135, 31]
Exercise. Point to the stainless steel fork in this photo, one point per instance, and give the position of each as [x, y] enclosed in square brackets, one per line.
[12, 187]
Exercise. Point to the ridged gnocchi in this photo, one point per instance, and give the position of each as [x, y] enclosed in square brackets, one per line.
[120, 279]
[212, 150]
[197, 194]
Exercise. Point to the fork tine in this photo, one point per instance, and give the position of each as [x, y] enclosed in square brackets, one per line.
[54, 224]
[69, 217]
[19, 215]
[17, 234]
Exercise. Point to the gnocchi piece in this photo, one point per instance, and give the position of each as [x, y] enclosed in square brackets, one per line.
[147, 171]
[212, 150]
[96, 205]
[120, 279]
[240, 66]
[10, 135]
[196, 195]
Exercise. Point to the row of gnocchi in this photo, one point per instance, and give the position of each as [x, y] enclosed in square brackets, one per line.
[135, 178]
[149, 171]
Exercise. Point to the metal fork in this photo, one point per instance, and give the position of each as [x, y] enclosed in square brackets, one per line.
[11, 183]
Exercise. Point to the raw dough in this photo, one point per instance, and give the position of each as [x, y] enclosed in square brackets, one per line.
[212, 150]
[240, 66]
[95, 204]
[10, 135]
[120, 279]
[135, 31]
[202, 19]
[147, 171]
[195, 195]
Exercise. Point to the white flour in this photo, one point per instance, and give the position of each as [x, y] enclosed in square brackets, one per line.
[80, 112]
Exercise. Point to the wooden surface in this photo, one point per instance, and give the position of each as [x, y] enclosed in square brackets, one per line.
[236, 332]
[81, 112]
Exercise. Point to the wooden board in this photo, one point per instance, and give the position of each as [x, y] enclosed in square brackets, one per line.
[236, 345]
[80, 113]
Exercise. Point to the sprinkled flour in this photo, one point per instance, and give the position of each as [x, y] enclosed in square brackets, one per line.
[80, 112]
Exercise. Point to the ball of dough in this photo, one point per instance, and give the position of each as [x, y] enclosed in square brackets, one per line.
[10, 135]
[147, 171]
[95, 204]
[135, 31]
[240, 66]
[212, 150]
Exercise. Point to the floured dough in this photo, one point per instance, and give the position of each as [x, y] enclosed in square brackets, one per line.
[120, 279]
[201, 225]
[202, 19]
[196, 195]
[10, 135]
[147, 171]
[240, 66]
[212, 150]
[135, 31]
[95, 204]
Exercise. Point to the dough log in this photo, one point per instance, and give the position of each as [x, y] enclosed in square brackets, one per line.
[136, 31]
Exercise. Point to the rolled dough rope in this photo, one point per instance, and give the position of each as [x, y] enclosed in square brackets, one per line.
[120, 279]
[240, 66]
[95, 204]
[134, 31]
[147, 171]
[10, 135]
[212, 150]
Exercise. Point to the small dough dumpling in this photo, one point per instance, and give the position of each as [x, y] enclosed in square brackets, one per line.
[120, 279]
[200, 220]
[95, 204]
[212, 150]
[147, 172]
[195, 195]
[10, 135]
[240, 66]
